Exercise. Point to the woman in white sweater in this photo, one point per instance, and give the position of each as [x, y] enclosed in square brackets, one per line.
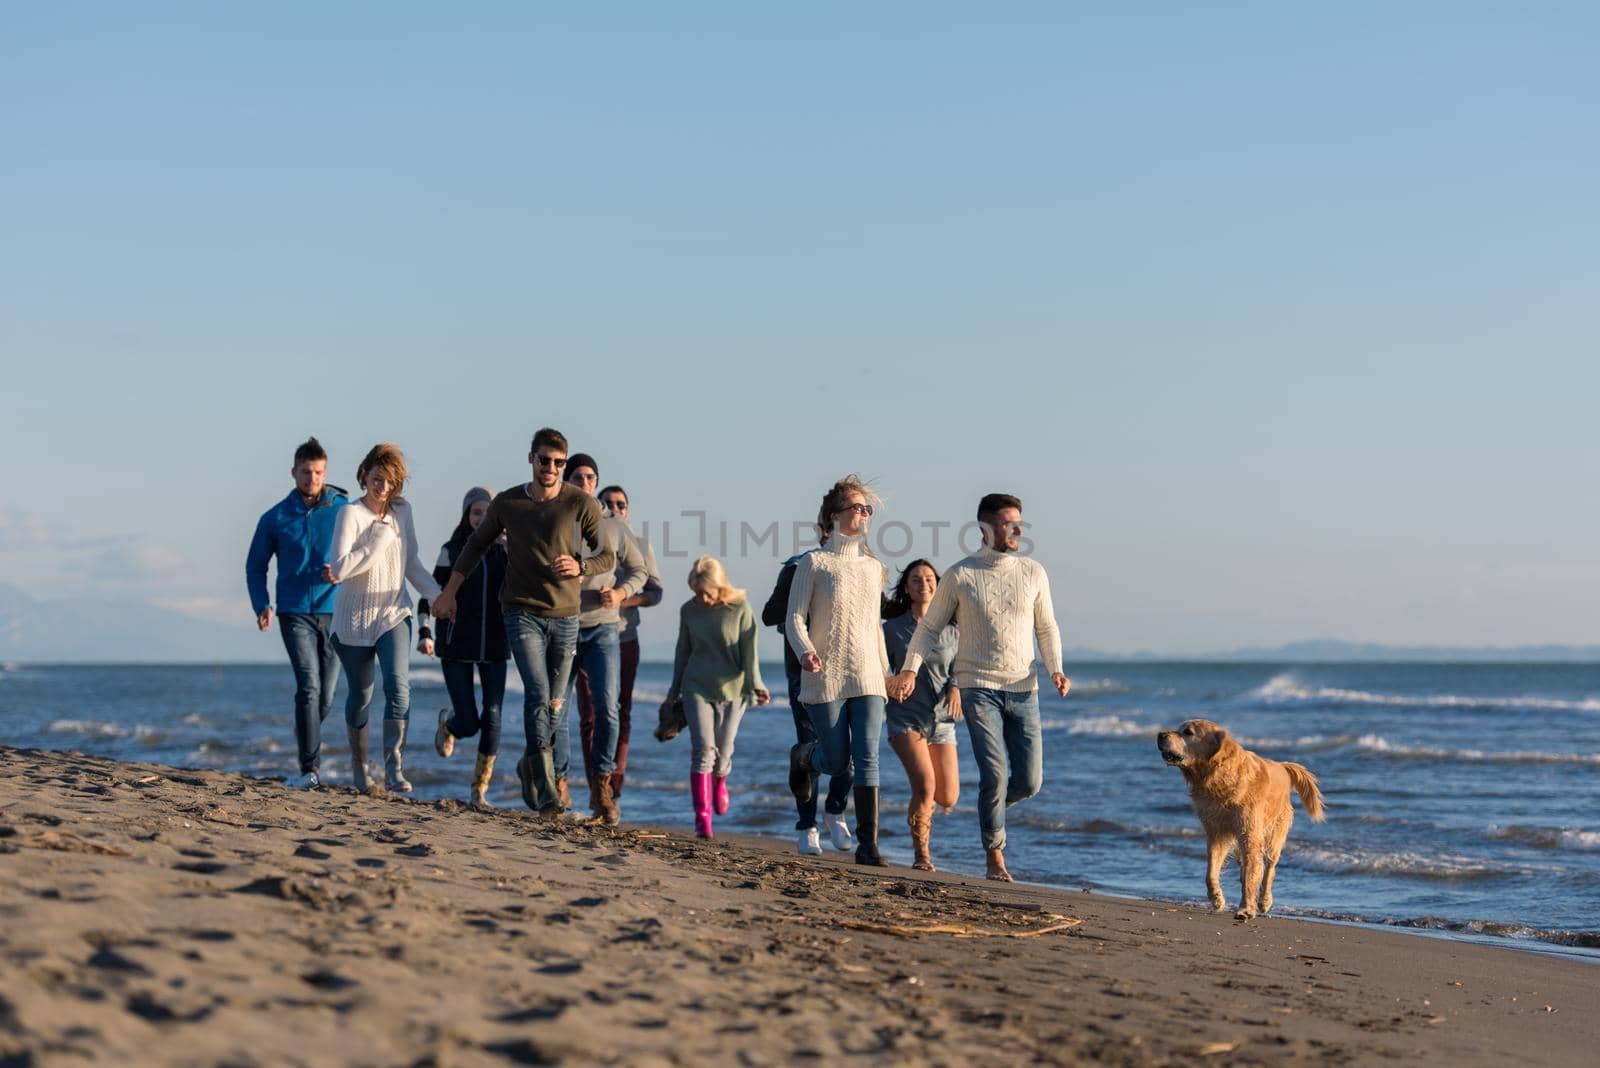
[833, 628]
[374, 555]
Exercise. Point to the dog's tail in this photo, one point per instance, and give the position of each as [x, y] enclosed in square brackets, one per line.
[1305, 784]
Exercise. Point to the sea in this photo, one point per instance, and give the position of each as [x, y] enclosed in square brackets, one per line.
[1463, 800]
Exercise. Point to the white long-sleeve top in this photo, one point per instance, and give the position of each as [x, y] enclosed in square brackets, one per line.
[1002, 602]
[372, 558]
[839, 590]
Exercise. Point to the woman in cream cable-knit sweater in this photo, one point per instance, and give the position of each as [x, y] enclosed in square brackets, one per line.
[374, 553]
[833, 628]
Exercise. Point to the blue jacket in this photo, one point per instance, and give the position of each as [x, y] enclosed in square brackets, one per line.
[300, 537]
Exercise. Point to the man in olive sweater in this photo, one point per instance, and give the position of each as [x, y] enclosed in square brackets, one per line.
[553, 539]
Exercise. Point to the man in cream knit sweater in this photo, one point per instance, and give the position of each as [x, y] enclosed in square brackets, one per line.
[1002, 601]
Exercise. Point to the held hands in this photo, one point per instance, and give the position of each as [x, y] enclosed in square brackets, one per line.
[565, 566]
[762, 697]
[611, 597]
[443, 606]
[811, 662]
[264, 620]
[425, 647]
[1062, 683]
[328, 575]
[901, 685]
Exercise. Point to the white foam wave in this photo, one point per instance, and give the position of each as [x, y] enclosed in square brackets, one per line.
[1285, 689]
[1110, 726]
[1373, 743]
[87, 726]
[1560, 838]
[1402, 864]
[1093, 687]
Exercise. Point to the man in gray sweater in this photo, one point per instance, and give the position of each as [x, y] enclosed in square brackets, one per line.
[597, 680]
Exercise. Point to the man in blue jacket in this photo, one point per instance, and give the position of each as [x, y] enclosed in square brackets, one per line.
[298, 530]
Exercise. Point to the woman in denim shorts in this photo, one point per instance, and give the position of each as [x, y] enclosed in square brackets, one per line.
[922, 728]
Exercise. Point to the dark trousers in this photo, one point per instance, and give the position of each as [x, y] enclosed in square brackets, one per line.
[465, 718]
[309, 640]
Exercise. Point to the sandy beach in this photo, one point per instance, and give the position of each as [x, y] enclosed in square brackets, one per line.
[155, 915]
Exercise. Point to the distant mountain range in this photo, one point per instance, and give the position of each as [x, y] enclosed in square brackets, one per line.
[34, 630]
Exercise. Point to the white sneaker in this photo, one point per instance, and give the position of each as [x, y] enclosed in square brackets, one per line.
[807, 844]
[308, 781]
[844, 839]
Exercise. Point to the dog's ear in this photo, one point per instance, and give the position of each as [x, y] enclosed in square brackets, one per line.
[1225, 746]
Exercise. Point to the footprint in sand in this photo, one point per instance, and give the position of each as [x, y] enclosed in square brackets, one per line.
[201, 867]
[535, 1013]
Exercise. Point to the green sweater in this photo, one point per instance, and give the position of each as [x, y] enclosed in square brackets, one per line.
[716, 658]
[536, 533]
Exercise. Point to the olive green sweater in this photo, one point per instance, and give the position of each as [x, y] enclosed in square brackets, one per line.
[536, 533]
[717, 658]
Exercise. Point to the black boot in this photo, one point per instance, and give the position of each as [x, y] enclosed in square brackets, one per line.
[867, 827]
[536, 771]
[802, 781]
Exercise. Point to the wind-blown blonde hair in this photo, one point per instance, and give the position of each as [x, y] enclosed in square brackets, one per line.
[707, 576]
[386, 457]
[837, 497]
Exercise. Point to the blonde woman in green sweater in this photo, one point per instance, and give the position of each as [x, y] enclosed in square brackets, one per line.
[717, 673]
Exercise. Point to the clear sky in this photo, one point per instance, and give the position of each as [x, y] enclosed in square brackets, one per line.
[1280, 319]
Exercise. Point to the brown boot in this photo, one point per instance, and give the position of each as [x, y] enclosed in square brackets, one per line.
[564, 794]
[601, 803]
[921, 824]
[480, 780]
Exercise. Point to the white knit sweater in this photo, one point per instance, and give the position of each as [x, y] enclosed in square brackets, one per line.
[372, 558]
[839, 589]
[1002, 602]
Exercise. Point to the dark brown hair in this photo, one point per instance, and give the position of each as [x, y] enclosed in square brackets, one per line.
[898, 602]
[548, 437]
[309, 450]
[993, 503]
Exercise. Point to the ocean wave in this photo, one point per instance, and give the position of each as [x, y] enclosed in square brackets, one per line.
[99, 729]
[1373, 743]
[1404, 865]
[1100, 827]
[1285, 689]
[1110, 726]
[1488, 928]
[1096, 687]
[1559, 838]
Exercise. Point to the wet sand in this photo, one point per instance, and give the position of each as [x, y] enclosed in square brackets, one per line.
[162, 916]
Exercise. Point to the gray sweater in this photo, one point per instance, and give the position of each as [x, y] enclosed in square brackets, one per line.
[629, 576]
[652, 588]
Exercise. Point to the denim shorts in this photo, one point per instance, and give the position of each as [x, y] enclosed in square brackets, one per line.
[936, 726]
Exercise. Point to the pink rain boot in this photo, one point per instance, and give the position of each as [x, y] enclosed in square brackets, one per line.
[719, 794]
[700, 791]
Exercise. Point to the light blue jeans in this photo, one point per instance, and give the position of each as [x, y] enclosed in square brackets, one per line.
[847, 732]
[390, 654]
[543, 649]
[1009, 750]
[600, 659]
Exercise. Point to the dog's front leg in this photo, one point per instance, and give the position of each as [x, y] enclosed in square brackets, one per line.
[1217, 850]
[1249, 876]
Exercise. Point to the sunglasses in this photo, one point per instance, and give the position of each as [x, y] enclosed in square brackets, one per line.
[858, 509]
[551, 461]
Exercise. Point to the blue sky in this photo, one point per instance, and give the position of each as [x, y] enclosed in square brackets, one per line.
[1280, 320]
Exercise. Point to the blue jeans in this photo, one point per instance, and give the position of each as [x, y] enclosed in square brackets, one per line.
[465, 720]
[599, 657]
[838, 785]
[1009, 749]
[543, 649]
[392, 655]
[847, 732]
[316, 675]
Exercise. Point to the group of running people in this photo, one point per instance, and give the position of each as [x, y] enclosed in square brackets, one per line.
[550, 575]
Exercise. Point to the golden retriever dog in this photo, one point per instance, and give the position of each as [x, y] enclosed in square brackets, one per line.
[1243, 803]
